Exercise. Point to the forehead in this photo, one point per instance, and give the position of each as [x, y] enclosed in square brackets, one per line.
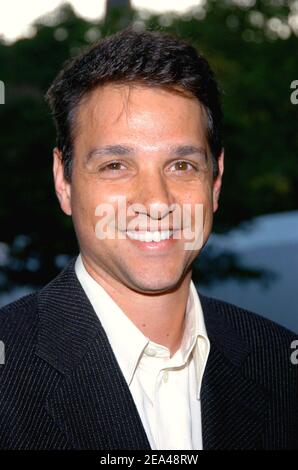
[137, 110]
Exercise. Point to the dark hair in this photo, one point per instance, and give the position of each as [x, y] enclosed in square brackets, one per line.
[152, 58]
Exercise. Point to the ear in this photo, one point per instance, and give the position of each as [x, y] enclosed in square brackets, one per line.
[62, 187]
[218, 181]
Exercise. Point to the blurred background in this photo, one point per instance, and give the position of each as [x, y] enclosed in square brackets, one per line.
[252, 45]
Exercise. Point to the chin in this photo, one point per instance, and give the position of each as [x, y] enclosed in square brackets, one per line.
[155, 283]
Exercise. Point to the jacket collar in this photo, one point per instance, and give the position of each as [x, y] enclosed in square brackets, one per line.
[68, 324]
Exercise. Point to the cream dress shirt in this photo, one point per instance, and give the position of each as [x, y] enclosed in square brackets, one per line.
[166, 390]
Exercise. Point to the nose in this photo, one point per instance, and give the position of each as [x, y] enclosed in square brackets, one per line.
[154, 198]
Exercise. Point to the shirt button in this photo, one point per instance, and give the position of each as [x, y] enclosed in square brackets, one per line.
[165, 376]
[150, 352]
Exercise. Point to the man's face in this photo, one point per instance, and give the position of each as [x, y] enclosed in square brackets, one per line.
[147, 147]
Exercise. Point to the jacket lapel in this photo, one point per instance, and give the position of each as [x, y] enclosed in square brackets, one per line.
[233, 406]
[91, 403]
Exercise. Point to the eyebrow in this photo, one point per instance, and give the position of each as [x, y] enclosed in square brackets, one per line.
[124, 150]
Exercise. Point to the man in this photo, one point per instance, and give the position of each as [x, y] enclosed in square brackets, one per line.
[120, 351]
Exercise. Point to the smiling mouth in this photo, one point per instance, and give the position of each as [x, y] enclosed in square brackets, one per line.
[148, 236]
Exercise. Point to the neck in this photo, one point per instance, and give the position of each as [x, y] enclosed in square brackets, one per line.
[160, 317]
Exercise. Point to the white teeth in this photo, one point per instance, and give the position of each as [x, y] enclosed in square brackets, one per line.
[150, 236]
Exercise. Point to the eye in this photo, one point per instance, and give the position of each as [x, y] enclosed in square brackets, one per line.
[112, 167]
[183, 166]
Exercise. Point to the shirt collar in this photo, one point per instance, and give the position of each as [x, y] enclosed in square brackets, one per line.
[128, 342]
[202, 343]
[194, 340]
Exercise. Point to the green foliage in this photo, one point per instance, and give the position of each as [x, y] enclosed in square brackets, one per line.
[255, 60]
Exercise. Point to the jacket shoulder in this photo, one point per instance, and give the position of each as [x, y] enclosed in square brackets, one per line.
[254, 328]
[14, 314]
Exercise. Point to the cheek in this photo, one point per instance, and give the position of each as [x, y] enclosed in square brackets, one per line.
[201, 196]
[202, 210]
[84, 202]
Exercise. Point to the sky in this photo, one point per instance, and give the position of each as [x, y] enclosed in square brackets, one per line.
[16, 16]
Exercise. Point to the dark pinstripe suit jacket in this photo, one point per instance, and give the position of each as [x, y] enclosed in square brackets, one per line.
[61, 386]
